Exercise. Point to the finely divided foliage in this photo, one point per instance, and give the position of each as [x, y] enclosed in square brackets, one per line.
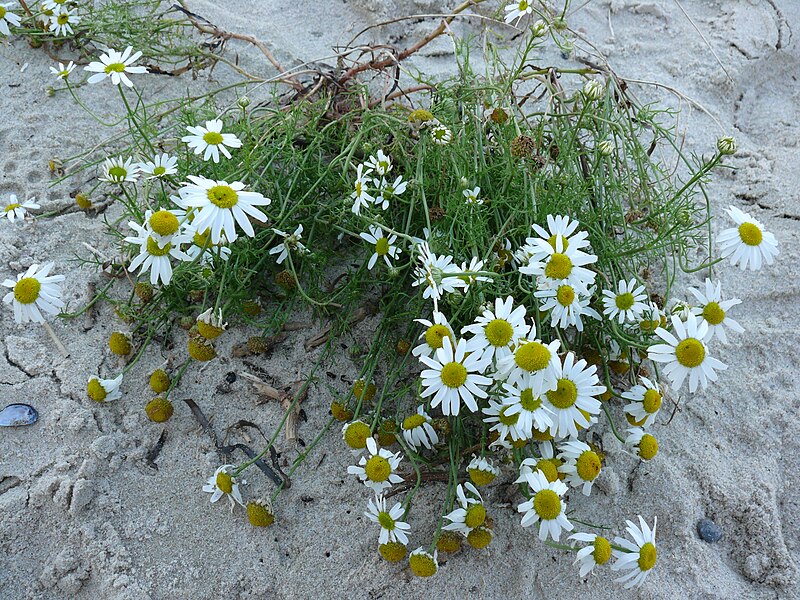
[517, 226]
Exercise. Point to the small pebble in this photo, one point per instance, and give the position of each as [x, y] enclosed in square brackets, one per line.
[709, 531]
[230, 377]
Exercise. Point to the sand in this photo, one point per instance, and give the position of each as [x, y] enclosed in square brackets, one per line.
[83, 514]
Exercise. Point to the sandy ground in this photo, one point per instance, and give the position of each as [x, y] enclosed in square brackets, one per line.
[82, 514]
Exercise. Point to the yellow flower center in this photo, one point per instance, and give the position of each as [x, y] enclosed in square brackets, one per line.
[413, 421]
[548, 469]
[223, 196]
[542, 436]
[713, 313]
[528, 401]
[420, 116]
[602, 550]
[259, 515]
[652, 401]
[115, 68]
[386, 521]
[435, 335]
[422, 565]
[750, 234]
[392, 551]
[164, 222]
[499, 332]
[378, 469]
[523, 5]
[12, 207]
[119, 343]
[382, 247]
[212, 138]
[155, 250]
[117, 173]
[558, 267]
[201, 239]
[565, 295]
[690, 353]
[532, 356]
[547, 505]
[96, 391]
[565, 394]
[224, 482]
[159, 170]
[359, 187]
[624, 301]
[454, 375]
[647, 556]
[356, 435]
[648, 447]
[3, 11]
[480, 477]
[553, 241]
[507, 419]
[480, 537]
[476, 515]
[588, 465]
[26, 290]
[63, 19]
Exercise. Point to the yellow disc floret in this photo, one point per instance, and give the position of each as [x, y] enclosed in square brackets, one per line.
[750, 234]
[547, 504]
[223, 196]
[340, 412]
[499, 332]
[454, 375]
[565, 295]
[558, 267]
[480, 537]
[647, 556]
[259, 513]
[413, 421]
[648, 447]
[588, 465]
[212, 138]
[532, 356]
[422, 564]
[356, 434]
[652, 401]
[690, 353]
[392, 551]
[159, 410]
[163, 222]
[224, 482]
[378, 469]
[26, 290]
[95, 390]
[713, 313]
[420, 116]
[528, 401]
[624, 301]
[364, 391]
[154, 249]
[565, 394]
[480, 477]
[382, 247]
[476, 515]
[602, 550]
[435, 335]
[200, 350]
[159, 381]
[119, 343]
[548, 469]
[449, 541]
[552, 240]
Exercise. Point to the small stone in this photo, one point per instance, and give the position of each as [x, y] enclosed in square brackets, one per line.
[709, 531]
[230, 377]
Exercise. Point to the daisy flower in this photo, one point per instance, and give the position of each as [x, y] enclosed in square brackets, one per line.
[34, 291]
[392, 528]
[627, 304]
[438, 273]
[714, 311]
[572, 398]
[639, 556]
[526, 399]
[381, 163]
[560, 265]
[546, 506]
[471, 196]
[566, 306]
[685, 353]
[379, 471]
[7, 18]
[496, 331]
[598, 552]
[385, 191]
[291, 241]
[645, 444]
[18, 210]
[220, 204]
[452, 376]
[202, 247]
[153, 256]
[581, 464]
[471, 512]
[360, 195]
[481, 470]
[61, 22]
[384, 246]
[504, 421]
[423, 563]
[516, 10]
[434, 334]
[210, 140]
[104, 390]
[418, 431]
[645, 402]
[161, 166]
[441, 135]
[470, 272]
[561, 226]
[223, 483]
[119, 170]
[748, 243]
[115, 65]
[531, 356]
[63, 72]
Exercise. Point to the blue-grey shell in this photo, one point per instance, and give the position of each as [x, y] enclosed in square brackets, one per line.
[15, 415]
